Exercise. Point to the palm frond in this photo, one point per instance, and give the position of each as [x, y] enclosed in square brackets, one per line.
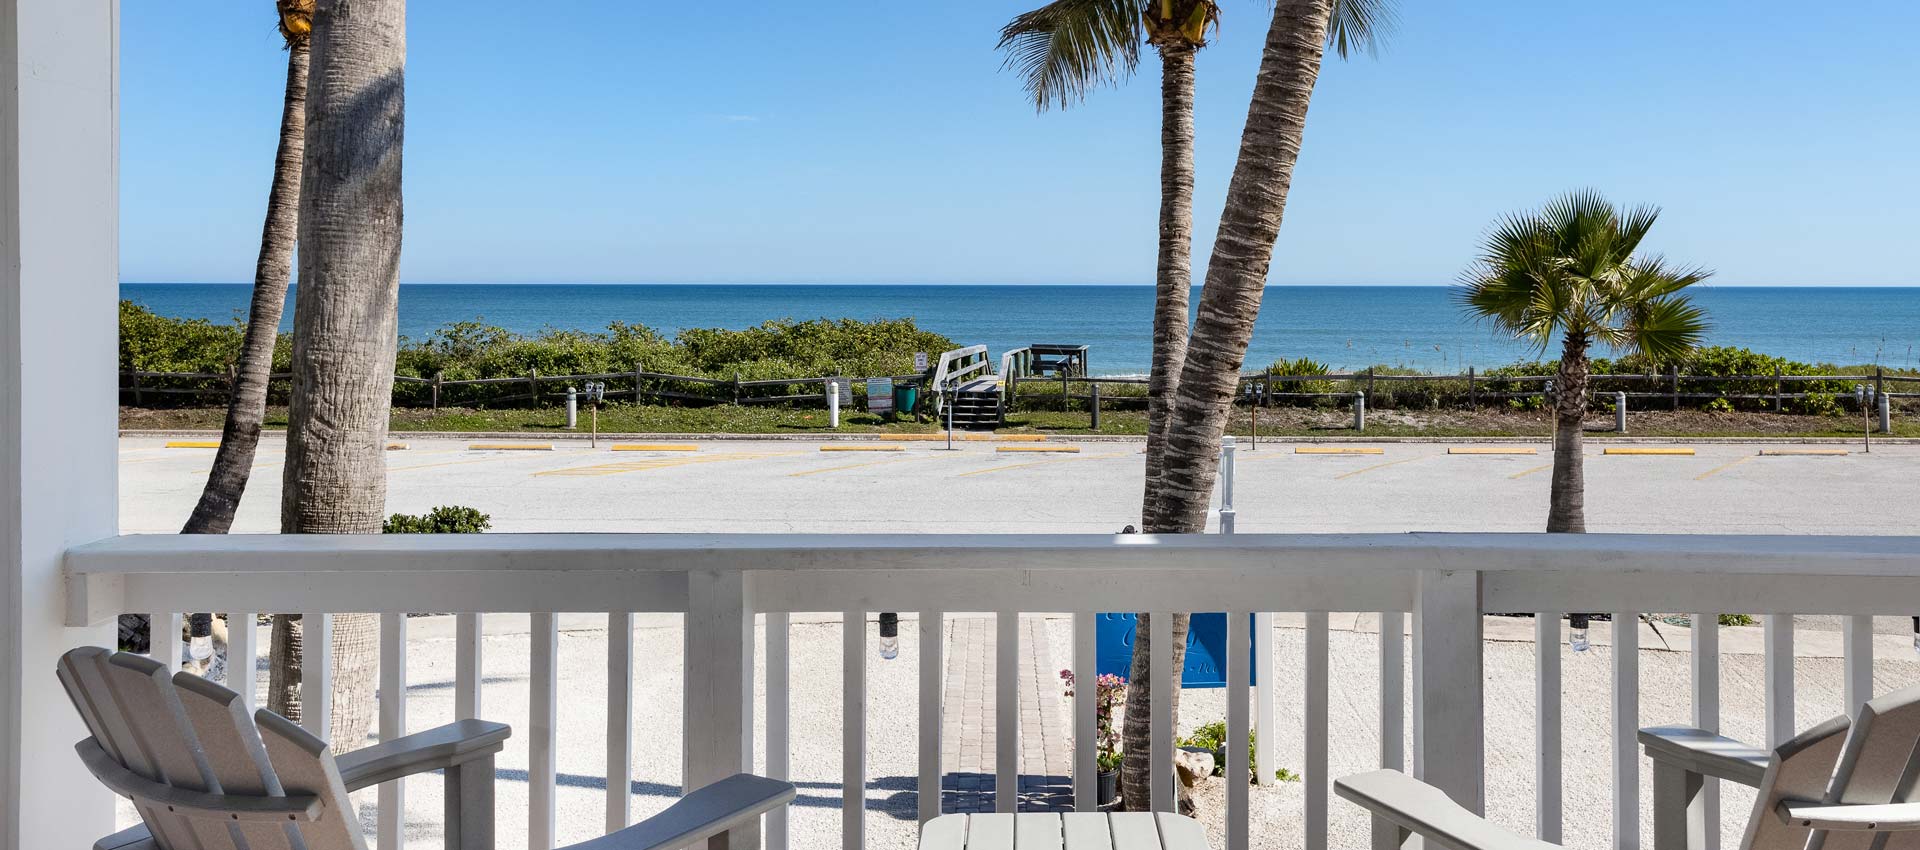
[1067, 47]
[1665, 329]
[1363, 24]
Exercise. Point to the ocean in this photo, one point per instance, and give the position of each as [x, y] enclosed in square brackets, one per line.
[1346, 327]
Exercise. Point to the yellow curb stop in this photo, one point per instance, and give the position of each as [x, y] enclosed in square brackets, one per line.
[193, 444]
[396, 447]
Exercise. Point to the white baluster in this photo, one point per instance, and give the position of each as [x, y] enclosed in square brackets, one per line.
[1316, 731]
[467, 665]
[1626, 730]
[1547, 767]
[393, 724]
[1006, 721]
[316, 674]
[779, 718]
[1238, 664]
[543, 732]
[619, 720]
[853, 738]
[933, 671]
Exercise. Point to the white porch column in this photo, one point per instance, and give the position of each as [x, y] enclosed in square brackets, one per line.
[1449, 702]
[59, 268]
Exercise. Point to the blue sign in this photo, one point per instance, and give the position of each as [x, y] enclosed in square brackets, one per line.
[1206, 649]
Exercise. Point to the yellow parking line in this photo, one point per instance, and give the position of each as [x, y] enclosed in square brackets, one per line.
[1376, 466]
[1007, 466]
[1804, 452]
[1526, 472]
[806, 472]
[1491, 450]
[1645, 450]
[870, 447]
[509, 447]
[655, 447]
[1338, 450]
[1065, 449]
[941, 437]
[193, 444]
[1723, 467]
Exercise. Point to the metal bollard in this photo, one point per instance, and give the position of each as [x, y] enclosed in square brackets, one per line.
[833, 404]
[1886, 413]
[573, 408]
[1094, 401]
[1620, 412]
[1226, 484]
[1360, 412]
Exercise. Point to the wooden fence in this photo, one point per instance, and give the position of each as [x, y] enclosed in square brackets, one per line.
[140, 387]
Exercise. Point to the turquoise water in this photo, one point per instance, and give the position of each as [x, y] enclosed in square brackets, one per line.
[1347, 327]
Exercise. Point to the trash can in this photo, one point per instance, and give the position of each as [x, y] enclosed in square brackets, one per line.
[905, 398]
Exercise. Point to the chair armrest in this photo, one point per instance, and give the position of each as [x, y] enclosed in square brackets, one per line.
[1702, 752]
[1883, 817]
[134, 837]
[435, 749]
[1426, 811]
[700, 815]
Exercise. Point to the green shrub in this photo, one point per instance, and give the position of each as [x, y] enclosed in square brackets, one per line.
[1718, 405]
[446, 519]
[1212, 737]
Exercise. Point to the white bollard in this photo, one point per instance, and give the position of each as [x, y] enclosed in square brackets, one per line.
[573, 409]
[1620, 412]
[1360, 412]
[1226, 485]
[1886, 414]
[833, 404]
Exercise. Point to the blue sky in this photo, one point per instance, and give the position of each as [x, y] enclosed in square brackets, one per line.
[867, 141]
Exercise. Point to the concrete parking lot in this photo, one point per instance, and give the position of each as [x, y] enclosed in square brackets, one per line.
[787, 486]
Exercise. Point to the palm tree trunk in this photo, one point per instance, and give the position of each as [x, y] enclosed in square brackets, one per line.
[345, 311]
[1173, 276]
[1237, 272]
[1229, 303]
[247, 407]
[1136, 766]
[1567, 504]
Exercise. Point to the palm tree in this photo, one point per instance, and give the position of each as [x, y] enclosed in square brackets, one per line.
[1065, 48]
[247, 405]
[1068, 46]
[1570, 271]
[345, 311]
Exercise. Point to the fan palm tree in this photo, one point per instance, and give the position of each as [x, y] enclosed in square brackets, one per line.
[1570, 271]
[1066, 48]
[345, 326]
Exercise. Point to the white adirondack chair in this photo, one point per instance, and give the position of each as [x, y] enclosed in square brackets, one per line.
[1846, 784]
[204, 776]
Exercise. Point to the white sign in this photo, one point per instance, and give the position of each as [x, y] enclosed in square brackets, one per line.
[919, 361]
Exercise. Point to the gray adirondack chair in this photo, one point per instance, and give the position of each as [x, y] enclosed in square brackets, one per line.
[1846, 784]
[204, 776]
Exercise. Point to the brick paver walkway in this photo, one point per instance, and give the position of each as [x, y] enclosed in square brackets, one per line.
[1046, 754]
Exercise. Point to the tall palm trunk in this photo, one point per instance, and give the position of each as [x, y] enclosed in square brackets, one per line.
[1173, 276]
[247, 406]
[345, 312]
[1237, 271]
[1567, 505]
[1173, 279]
[1229, 303]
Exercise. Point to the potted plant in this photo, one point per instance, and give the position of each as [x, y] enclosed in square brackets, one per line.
[1109, 693]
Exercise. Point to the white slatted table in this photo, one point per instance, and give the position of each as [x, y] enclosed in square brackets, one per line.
[1065, 831]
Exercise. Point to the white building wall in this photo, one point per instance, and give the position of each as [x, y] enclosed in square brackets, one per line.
[59, 184]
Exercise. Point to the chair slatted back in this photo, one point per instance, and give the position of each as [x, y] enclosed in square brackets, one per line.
[1872, 758]
[192, 735]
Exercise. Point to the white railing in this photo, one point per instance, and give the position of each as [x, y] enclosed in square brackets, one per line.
[722, 583]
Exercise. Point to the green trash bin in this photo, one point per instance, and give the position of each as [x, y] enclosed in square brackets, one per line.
[905, 398]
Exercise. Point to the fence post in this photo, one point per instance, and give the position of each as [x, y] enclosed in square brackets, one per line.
[1094, 402]
[1779, 401]
[1449, 714]
[533, 385]
[1473, 396]
[137, 400]
[1064, 405]
[1676, 386]
[1879, 382]
[736, 388]
[1369, 381]
[636, 383]
[437, 377]
[233, 380]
